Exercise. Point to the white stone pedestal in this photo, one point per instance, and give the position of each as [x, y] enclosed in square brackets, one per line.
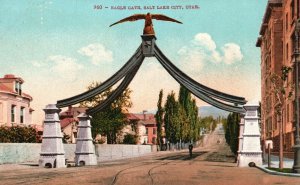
[52, 151]
[242, 125]
[85, 149]
[250, 146]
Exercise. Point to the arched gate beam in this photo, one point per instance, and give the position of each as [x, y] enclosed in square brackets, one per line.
[131, 64]
[148, 48]
[200, 94]
[211, 92]
[119, 90]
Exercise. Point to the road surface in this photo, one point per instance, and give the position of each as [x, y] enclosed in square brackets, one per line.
[213, 166]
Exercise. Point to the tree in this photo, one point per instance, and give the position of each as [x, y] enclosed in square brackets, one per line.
[169, 118]
[208, 123]
[123, 101]
[195, 122]
[185, 103]
[282, 90]
[190, 109]
[227, 128]
[111, 120]
[159, 119]
[232, 128]
[182, 123]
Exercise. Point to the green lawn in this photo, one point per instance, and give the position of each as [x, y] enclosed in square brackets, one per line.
[284, 170]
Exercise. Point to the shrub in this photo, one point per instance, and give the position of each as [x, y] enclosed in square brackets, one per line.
[18, 134]
[130, 139]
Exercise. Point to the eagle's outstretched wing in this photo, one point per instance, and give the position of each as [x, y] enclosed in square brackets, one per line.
[130, 18]
[164, 18]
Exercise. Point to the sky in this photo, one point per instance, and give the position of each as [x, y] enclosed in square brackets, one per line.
[60, 47]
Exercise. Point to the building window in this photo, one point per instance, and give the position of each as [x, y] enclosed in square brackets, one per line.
[287, 51]
[287, 113]
[13, 113]
[277, 118]
[154, 130]
[298, 4]
[18, 88]
[269, 128]
[292, 10]
[1, 112]
[146, 130]
[286, 21]
[22, 113]
[75, 134]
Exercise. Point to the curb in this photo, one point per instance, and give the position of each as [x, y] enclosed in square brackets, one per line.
[277, 173]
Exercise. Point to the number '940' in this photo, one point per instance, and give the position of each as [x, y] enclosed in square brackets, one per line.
[98, 7]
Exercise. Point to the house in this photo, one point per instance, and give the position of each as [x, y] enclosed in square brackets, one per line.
[69, 122]
[14, 103]
[145, 127]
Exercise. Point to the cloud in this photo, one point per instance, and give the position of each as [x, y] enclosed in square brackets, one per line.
[192, 59]
[232, 53]
[37, 63]
[66, 67]
[203, 49]
[204, 40]
[97, 52]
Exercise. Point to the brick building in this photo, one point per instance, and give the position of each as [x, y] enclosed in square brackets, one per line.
[146, 128]
[277, 43]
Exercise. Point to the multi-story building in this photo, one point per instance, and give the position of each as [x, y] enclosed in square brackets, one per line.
[14, 103]
[277, 43]
[145, 127]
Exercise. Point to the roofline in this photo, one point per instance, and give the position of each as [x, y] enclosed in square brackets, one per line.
[258, 42]
[15, 94]
[270, 5]
[13, 77]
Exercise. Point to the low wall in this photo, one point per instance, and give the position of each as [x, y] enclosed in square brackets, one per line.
[112, 152]
[30, 152]
[19, 152]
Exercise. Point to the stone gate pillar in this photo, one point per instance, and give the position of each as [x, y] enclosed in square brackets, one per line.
[52, 151]
[251, 148]
[241, 132]
[85, 149]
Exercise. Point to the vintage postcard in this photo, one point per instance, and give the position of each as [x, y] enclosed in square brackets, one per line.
[102, 82]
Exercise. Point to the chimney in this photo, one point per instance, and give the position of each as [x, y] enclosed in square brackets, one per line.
[144, 111]
[69, 110]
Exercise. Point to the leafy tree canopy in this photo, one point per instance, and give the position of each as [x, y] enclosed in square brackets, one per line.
[111, 120]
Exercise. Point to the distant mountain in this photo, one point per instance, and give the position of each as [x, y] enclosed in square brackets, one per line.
[212, 111]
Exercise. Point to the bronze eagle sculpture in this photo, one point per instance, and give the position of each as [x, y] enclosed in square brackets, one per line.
[148, 29]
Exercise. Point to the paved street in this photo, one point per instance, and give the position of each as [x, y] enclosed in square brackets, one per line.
[206, 167]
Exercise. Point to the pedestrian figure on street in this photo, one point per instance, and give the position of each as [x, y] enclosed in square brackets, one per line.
[191, 150]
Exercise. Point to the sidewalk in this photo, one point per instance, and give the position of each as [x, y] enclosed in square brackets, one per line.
[287, 163]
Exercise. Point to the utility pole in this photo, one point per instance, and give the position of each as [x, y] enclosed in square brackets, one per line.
[296, 166]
